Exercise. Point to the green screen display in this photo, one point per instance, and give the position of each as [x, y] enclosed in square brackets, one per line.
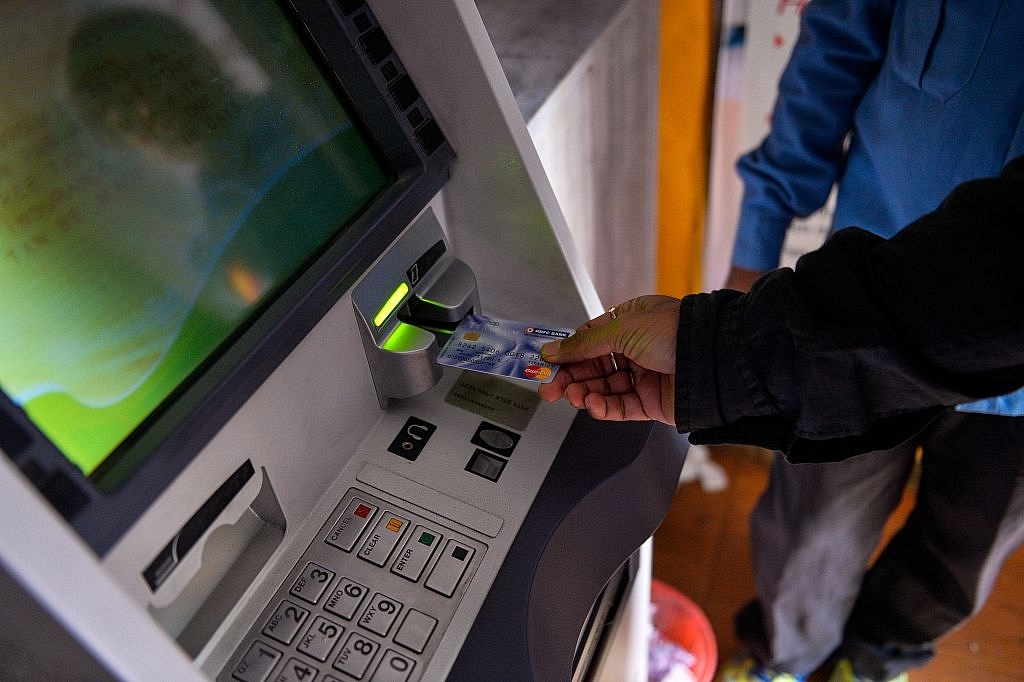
[162, 176]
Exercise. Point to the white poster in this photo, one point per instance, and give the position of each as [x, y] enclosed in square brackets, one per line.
[757, 37]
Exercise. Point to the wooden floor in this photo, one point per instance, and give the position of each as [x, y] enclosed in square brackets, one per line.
[701, 550]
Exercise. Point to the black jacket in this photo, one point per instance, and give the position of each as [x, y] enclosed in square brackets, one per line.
[867, 339]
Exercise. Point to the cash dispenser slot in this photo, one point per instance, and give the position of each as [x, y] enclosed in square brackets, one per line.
[408, 305]
[204, 569]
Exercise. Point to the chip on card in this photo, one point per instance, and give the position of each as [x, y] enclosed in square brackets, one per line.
[501, 347]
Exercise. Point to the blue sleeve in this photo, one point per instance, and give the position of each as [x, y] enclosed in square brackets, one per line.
[838, 53]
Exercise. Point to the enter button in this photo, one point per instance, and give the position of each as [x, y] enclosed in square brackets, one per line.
[417, 551]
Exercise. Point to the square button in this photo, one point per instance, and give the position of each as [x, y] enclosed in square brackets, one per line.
[451, 566]
[413, 557]
[257, 663]
[312, 583]
[415, 631]
[350, 524]
[346, 598]
[380, 613]
[485, 464]
[285, 622]
[320, 638]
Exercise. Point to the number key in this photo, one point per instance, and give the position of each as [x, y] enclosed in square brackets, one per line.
[355, 655]
[346, 598]
[286, 621]
[394, 667]
[313, 582]
[297, 671]
[320, 638]
[380, 614]
[257, 663]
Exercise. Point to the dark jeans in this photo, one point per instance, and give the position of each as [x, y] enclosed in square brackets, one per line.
[816, 525]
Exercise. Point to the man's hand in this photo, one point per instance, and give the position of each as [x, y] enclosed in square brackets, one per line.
[622, 365]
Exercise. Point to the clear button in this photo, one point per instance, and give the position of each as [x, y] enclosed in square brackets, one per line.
[383, 538]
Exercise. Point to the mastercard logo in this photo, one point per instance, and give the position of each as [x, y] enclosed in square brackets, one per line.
[537, 372]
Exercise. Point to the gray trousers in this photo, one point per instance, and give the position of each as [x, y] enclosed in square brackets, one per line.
[816, 525]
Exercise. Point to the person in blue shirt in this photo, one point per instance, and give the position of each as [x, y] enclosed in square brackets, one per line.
[896, 102]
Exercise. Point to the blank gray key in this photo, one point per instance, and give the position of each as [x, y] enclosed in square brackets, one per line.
[450, 568]
[415, 631]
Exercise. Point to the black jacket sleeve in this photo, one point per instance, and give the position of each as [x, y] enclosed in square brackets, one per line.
[867, 339]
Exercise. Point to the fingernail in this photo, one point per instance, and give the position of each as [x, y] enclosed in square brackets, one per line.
[551, 349]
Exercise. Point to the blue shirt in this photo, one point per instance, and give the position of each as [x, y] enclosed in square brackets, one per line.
[897, 101]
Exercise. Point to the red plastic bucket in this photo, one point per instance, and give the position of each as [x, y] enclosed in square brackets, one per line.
[679, 621]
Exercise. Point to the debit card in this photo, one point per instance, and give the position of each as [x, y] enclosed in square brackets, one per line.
[501, 347]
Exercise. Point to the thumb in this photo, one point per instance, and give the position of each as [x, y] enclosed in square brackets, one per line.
[585, 344]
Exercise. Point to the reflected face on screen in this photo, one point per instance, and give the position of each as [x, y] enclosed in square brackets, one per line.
[172, 176]
[140, 77]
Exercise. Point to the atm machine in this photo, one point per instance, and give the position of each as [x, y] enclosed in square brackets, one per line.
[233, 237]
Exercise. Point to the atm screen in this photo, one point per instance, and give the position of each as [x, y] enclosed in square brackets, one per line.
[168, 170]
[157, 192]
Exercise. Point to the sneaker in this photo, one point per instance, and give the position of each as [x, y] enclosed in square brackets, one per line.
[843, 672]
[745, 669]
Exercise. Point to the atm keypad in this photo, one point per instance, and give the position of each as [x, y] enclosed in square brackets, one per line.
[368, 600]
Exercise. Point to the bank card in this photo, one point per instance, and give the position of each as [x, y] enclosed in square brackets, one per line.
[501, 347]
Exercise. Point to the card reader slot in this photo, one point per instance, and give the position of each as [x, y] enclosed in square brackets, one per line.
[446, 301]
[407, 306]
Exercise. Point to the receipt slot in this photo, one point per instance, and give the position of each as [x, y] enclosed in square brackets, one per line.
[408, 305]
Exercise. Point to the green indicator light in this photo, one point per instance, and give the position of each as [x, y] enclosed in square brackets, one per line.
[394, 300]
[405, 338]
[426, 539]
